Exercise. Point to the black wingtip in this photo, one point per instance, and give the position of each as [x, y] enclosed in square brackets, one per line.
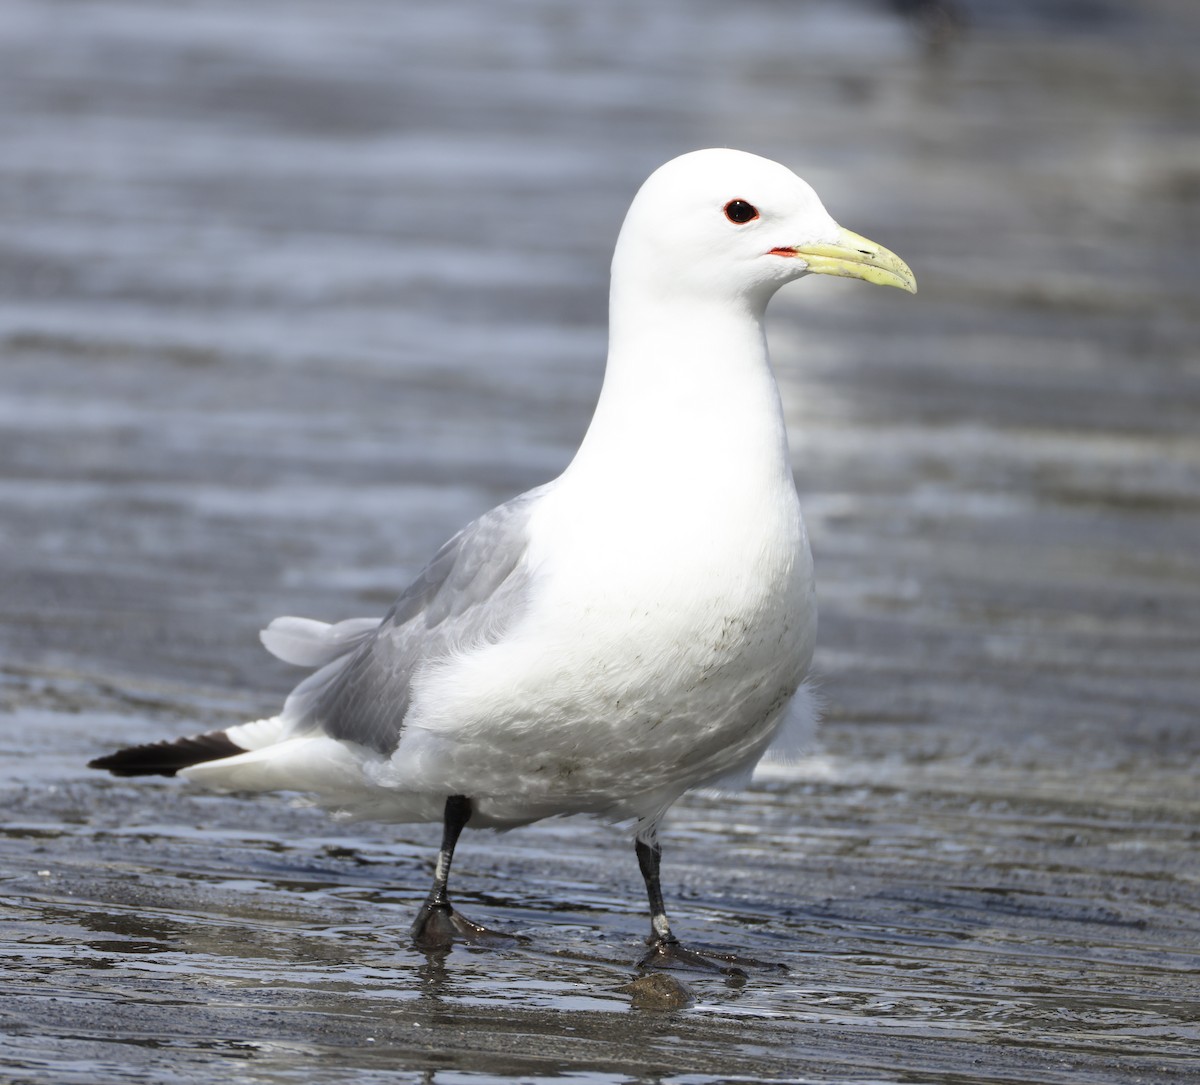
[167, 758]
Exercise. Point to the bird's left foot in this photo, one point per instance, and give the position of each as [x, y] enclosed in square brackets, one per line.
[670, 953]
[438, 926]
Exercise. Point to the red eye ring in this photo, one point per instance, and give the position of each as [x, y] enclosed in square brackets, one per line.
[740, 212]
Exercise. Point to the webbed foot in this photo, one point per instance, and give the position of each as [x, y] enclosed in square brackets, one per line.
[669, 953]
[439, 926]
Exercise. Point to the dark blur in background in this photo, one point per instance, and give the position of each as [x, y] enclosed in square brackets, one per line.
[289, 291]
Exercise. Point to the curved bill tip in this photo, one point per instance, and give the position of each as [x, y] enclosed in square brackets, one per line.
[853, 256]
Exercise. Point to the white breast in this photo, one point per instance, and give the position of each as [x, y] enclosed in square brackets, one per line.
[665, 634]
[670, 616]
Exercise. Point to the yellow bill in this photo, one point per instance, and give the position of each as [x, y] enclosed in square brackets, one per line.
[852, 256]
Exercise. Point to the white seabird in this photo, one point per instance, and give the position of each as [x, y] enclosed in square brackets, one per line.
[638, 627]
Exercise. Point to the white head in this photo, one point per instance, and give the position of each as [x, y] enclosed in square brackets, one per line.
[721, 225]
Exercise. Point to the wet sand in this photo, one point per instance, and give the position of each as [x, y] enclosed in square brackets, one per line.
[292, 291]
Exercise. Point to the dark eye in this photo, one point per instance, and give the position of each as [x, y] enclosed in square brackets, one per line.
[740, 211]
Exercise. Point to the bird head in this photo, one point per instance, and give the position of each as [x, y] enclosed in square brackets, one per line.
[724, 224]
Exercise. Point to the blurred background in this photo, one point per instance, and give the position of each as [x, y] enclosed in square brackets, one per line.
[289, 291]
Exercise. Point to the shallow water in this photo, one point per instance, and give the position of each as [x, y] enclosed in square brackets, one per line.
[294, 290]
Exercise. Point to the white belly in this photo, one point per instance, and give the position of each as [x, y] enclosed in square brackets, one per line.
[651, 659]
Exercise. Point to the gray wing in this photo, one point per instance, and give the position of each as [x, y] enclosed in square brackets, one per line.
[470, 593]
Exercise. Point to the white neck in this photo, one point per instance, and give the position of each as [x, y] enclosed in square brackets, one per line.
[688, 392]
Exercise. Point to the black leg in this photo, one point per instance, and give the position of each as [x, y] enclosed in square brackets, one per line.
[649, 856]
[665, 950]
[454, 820]
[437, 923]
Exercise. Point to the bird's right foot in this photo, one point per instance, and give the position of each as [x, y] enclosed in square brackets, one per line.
[669, 953]
[439, 926]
